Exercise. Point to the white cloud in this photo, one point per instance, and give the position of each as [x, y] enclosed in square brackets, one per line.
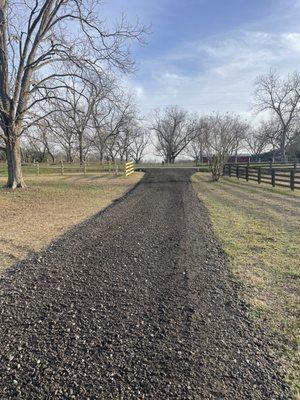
[139, 91]
[218, 73]
[291, 40]
[223, 70]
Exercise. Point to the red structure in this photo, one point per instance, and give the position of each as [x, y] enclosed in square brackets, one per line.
[232, 159]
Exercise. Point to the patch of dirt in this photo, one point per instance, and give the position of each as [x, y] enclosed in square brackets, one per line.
[135, 303]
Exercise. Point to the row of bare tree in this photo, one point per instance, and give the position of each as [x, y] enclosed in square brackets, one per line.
[219, 136]
[216, 136]
[60, 93]
[95, 120]
[58, 62]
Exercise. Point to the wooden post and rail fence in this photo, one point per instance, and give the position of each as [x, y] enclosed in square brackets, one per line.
[283, 175]
[129, 168]
[63, 168]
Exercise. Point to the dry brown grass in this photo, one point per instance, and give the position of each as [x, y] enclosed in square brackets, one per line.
[32, 218]
[259, 227]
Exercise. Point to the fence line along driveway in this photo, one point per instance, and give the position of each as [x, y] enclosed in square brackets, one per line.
[135, 303]
[63, 168]
[284, 175]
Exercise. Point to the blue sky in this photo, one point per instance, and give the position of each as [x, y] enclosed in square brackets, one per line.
[204, 55]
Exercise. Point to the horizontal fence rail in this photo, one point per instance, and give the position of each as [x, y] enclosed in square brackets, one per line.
[283, 175]
[64, 168]
[129, 168]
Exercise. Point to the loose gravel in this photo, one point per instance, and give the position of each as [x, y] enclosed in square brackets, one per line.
[135, 303]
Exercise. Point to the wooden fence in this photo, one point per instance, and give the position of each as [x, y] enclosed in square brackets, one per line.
[284, 175]
[63, 168]
[129, 168]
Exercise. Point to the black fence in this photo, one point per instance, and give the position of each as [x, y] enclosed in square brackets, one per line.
[284, 175]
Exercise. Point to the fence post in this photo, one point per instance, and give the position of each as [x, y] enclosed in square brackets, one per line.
[295, 164]
[237, 172]
[61, 167]
[229, 170]
[273, 177]
[292, 179]
[247, 173]
[259, 175]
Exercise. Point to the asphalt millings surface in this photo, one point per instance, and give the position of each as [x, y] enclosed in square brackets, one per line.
[135, 303]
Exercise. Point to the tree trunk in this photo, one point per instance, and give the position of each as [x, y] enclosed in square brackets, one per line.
[215, 172]
[101, 157]
[80, 139]
[201, 155]
[52, 157]
[170, 159]
[236, 156]
[69, 156]
[216, 166]
[282, 152]
[14, 167]
[49, 152]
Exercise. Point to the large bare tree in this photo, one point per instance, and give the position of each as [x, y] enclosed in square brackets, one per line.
[60, 125]
[282, 98]
[42, 44]
[41, 140]
[139, 143]
[128, 132]
[174, 129]
[258, 140]
[196, 147]
[110, 116]
[220, 138]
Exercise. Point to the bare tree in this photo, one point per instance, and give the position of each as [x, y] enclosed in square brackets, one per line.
[2, 147]
[139, 144]
[282, 98]
[128, 132]
[220, 140]
[60, 124]
[80, 108]
[174, 129]
[124, 142]
[110, 116]
[294, 148]
[41, 140]
[85, 100]
[197, 145]
[272, 130]
[37, 40]
[257, 141]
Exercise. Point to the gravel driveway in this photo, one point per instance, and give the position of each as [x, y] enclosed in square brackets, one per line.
[135, 303]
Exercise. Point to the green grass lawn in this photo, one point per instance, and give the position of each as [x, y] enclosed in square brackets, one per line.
[259, 228]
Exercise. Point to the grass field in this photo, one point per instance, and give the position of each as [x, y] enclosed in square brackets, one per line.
[259, 227]
[32, 217]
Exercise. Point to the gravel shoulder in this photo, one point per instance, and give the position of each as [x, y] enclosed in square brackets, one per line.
[135, 303]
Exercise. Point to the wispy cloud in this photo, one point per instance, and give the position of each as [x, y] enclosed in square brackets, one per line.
[218, 72]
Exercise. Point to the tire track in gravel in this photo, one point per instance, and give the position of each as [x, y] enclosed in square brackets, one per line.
[135, 303]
